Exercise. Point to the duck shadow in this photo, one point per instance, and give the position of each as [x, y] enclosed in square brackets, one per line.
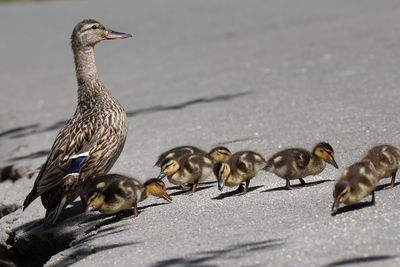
[188, 192]
[297, 186]
[39, 154]
[238, 251]
[360, 260]
[382, 186]
[36, 128]
[234, 192]
[125, 214]
[348, 208]
[180, 187]
[82, 252]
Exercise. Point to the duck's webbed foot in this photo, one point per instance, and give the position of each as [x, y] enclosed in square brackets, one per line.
[186, 187]
[302, 182]
[373, 198]
[288, 187]
[243, 190]
[392, 182]
[192, 189]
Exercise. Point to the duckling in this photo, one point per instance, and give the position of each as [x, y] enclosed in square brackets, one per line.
[238, 168]
[92, 140]
[114, 192]
[219, 153]
[385, 159]
[187, 169]
[297, 163]
[357, 181]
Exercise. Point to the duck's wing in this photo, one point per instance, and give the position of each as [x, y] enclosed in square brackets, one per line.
[301, 158]
[69, 150]
[176, 152]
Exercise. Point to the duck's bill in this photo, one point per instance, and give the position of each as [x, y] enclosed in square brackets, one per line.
[167, 197]
[161, 175]
[333, 163]
[89, 209]
[335, 207]
[220, 185]
[116, 35]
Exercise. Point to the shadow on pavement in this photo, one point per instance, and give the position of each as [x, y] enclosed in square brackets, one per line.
[382, 186]
[83, 252]
[203, 258]
[23, 131]
[188, 192]
[41, 153]
[357, 206]
[361, 260]
[200, 184]
[238, 190]
[297, 186]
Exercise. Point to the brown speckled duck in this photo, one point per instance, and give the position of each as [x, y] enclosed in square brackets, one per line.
[217, 154]
[112, 193]
[297, 163]
[240, 167]
[385, 159]
[189, 169]
[357, 181]
[92, 140]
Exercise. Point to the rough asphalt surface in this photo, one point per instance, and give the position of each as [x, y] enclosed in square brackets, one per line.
[260, 75]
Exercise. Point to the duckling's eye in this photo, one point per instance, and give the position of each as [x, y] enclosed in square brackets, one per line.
[94, 27]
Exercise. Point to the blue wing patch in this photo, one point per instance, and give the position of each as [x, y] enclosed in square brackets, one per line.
[76, 165]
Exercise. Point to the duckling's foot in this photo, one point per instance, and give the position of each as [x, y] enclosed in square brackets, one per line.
[373, 198]
[288, 187]
[242, 190]
[303, 183]
[191, 190]
[388, 187]
[135, 212]
[186, 187]
[392, 184]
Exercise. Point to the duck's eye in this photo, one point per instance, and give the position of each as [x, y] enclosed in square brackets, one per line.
[94, 27]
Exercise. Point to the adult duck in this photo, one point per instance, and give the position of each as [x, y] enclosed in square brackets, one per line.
[92, 140]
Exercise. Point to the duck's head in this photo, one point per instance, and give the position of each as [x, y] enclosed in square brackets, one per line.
[341, 192]
[89, 32]
[156, 187]
[94, 201]
[222, 171]
[325, 151]
[169, 166]
[220, 154]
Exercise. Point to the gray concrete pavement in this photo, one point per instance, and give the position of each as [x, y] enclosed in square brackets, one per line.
[259, 75]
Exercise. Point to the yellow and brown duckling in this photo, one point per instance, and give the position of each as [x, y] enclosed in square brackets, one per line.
[297, 163]
[92, 140]
[217, 154]
[385, 159]
[189, 169]
[114, 192]
[357, 181]
[240, 167]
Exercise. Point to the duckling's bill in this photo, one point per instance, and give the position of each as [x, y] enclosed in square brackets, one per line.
[221, 185]
[161, 175]
[335, 206]
[167, 197]
[333, 163]
[89, 209]
[116, 35]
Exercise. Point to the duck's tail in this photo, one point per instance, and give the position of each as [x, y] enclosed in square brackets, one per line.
[52, 215]
[268, 167]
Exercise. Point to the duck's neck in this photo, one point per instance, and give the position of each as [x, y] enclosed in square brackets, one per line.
[316, 164]
[90, 87]
[144, 195]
